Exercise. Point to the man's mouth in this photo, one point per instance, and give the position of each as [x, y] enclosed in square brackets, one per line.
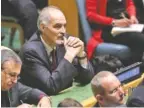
[11, 85]
[60, 38]
[121, 98]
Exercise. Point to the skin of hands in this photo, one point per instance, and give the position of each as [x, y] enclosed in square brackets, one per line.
[45, 102]
[73, 48]
[123, 22]
[134, 20]
[76, 42]
[25, 105]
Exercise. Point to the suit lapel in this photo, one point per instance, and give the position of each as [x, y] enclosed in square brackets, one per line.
[42, 51]
[44, 55]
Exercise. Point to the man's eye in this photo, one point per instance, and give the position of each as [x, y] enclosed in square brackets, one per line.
[57, 26]
[113, 91]
[12, 75]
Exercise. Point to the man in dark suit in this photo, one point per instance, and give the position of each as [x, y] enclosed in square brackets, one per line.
[48, 71]
[13, 93]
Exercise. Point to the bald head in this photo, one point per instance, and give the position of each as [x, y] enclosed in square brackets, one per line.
[47, 14]
[99, 79]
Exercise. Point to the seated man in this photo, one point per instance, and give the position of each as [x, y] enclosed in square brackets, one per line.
[13, 92]
[23, 10]
[107, 90]
[51, 59]
[69, 102]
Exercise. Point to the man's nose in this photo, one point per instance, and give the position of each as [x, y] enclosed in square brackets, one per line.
[15, 80]
[63, 29]
[121, 91]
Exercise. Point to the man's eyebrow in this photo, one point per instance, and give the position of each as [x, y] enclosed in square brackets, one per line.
[60, 24]
[14, 73]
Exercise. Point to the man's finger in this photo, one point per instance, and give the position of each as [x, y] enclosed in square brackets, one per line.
[75, 41]
[77, 45]
[65, 40]
[70, 40]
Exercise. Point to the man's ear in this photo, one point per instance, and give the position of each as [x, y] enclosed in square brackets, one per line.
[42, 27]
[99, 98]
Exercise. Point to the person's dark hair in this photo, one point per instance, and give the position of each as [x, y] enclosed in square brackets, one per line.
[7, 55]
[69, 102]
[106, 63]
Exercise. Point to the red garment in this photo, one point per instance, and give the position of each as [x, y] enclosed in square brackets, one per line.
[96, 13]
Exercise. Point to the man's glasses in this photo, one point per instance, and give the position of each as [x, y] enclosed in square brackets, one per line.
[13, 75]
[116, 89]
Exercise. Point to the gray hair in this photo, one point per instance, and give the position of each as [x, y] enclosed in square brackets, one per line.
[7, 55]
[96, 82]
[44, 16]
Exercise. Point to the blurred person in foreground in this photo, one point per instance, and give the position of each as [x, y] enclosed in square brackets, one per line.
[13, 93]
[107, 90]
[51, 58]
[69, 102]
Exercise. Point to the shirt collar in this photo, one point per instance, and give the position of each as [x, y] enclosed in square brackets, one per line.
[47, 47]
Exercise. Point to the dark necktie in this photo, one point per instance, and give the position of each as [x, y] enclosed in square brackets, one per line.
[53, 63]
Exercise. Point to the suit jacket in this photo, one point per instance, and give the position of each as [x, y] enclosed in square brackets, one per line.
[96, 13]
[36, 68]
[19, 92]
[136, 99]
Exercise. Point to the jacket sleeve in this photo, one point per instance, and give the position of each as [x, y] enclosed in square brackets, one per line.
[40, 76]
[84, 74]
[130, 7]
[29, 95]
[93, 13]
